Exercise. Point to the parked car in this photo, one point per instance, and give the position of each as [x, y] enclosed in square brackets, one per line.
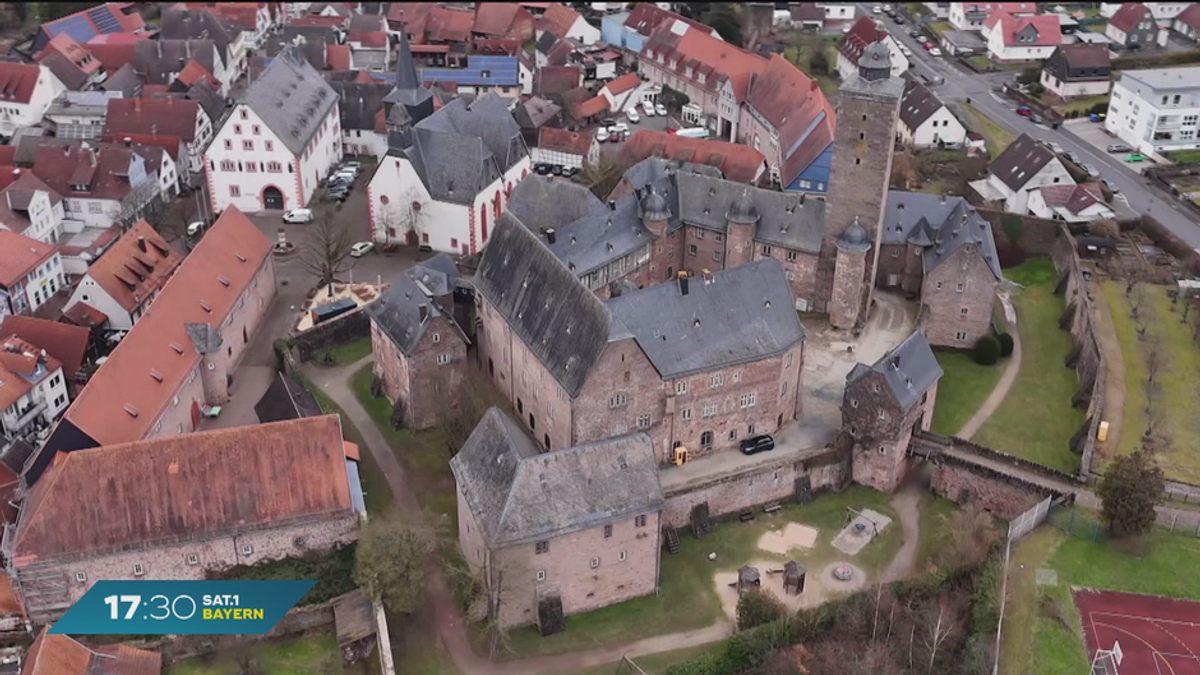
[353, 165]
[876, 9]
[1024, 111]
[648, 108]
[899, 20]
[1090, 170]
[614, 136]
[757, 444]
[935, 52]
[906, 51]
[928, 46]
[541, 169]
[1055, 148]
[660, 110]
[336, 195]
[298, 216]
[570, 171]
[1069, 156]
[632, 115]
[914, 33]
[1119, 147]
[361, 248]
[195, 228]
[1037, 119]
[888, 8]
[601, 134]
[342, 178]
[1112, 187]
[1135, 157]
[557, 169]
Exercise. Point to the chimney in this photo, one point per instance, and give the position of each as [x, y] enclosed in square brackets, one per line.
[943, 197]
[612, 205]
[550, 235]
[424, 310]
[142, 244]
[683, 283]
[802, 198]
[128, 142]
[707, 276]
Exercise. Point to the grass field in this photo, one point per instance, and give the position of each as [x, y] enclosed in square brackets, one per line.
[376, 491]
[347, 353]
[657, 664]
[303, 656]
[962, 389]
[998, 138]
[800, 52]
[1178, 376]
[1036, 420]
[934, 511]
[1082, 105]
[687, 599]
[1185, 156]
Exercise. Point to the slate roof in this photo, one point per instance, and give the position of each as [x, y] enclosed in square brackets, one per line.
[939, 227]
[518, 495]
[67, 72]
[535, 112]
[918, 104]
[438, 274]
[158, 61]
[125, 80]
[134, 495]
[742, 314]
[736, 162]
[1020, 161]
[541, 202]
[397, 313]
[196, 25]
[359, 103]
[1128, 15]
[64, 342]
[909, 370]
[563, 324]
[292, 99]
[286, 399]
[408, 91]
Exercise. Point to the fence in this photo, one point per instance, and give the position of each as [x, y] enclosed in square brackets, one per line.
[1018, 527]
[1077, 524]
[1179, 521]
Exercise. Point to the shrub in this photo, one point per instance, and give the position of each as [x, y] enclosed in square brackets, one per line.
[757, 607]
[1101, 107]
[987, 350]
[1006, 344]
[985, 601]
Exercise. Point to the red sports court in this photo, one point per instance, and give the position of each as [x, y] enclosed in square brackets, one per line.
[1156, 635]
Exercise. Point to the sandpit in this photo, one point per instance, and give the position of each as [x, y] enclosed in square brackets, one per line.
[794, 535]
[818, 588]
[860, 531]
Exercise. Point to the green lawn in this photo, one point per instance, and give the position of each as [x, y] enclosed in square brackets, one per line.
[295, 657]
[376, 491]
[1036, 420]
[963, 388]
[940, 27]
[1178, 376]
[1082, 105]
[934, 510]
[981, 62]
[657, 664]
[345, 354]
[803, 46]
[998, 138]
[1185, 156]
[687, 598]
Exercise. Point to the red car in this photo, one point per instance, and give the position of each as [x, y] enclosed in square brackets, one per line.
[1024, 111]
[928, 45]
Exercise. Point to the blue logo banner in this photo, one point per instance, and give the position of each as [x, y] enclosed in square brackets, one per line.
[181, 607]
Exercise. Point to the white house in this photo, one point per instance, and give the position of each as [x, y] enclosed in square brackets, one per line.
[80, 114]
[179, 117]
[279, 142]
[971, 15]
[1163, 12]
[863, 33]
[30, 273]
[33, 389]
[1012, 39]
[1071, 203]
[26, 91]
[445, 181]
[100, 183]
[837, 11]
[568, 24]
[1078, 70]
[1025, 165]
[568, 148]
[32, 208]
[925, 121]
[1156, 110]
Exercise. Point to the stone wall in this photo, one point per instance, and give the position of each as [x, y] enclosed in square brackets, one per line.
[1039, 236]
[774, 482]
[971, 484]
[326, 335]
[1089, 363]
[309, 619]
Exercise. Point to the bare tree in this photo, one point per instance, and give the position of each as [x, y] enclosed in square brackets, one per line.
[970, 535]
[940, 630]
[407, 213]
[325, 253]
[462, 404]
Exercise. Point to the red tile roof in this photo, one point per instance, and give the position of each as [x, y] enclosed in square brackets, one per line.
[864, 32]
[62, 167]
[123, 382]
[17, 81]
[737, 162]
[119, 39]
[503, 19]
[1075, 198]
[372, 39]
[112, 55]
[798, 109]
[12, 386]
[338, 56]
[561, 140]
[1190, 16]
[79, 56]
[64, 342]
[8, 153]
[56, 655]
[165, 116]
[558, 19]
[646, 17]
[442, 24]
[592, 106]
[18, 195]
[314, 21]
[241, 14]
[1049, 33]
[19, 255]
[169, 144]
[557, 79]
[705, 54]
[130, 274]
[623, 83]
[1128, 15]
[200, 484]
[404, 13]
[84, 315]
[194, 71]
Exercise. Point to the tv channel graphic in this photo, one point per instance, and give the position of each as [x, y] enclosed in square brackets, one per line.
[181, 607]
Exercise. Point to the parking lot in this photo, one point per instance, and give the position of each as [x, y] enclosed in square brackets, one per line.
[1096, 137]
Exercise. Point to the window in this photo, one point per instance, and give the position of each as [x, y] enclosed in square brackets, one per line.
[960, 335]
[270, 145]
[237, 129]
[686, 414]
[541, 547]
[643, 422]
[541, 575]
[681, 387]
[766, 251]
[257, 129]
[748, 400]
[244, 115]
[595, 563]
[235, 191]
[619, 429]
[639, 521]
[709, 410]
[939, 285]
[706, 440]
[617, 401]
[443, 359]
[274, 167]
[791, 256]
[621, 556]
[783, 389]
[963, 311]
[138, 570]
[718, 237]
[80, 577]
[733, 434]
[95, 208]
[228, 144]
[228, 165]
[251, 167]
[716, 380]
[247, 549]
[193, 559]
[882, 416]
[692, 249]
[453, 243]
[608, 531]
[716, 256]
[737, 376]
[437, 337]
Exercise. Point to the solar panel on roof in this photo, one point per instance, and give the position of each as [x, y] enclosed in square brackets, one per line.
[105, 21]
[76, 26]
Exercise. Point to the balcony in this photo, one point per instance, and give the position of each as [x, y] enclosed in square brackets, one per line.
[26, 415]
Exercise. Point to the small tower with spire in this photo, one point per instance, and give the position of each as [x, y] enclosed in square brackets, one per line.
[741, 223]
[408, 94]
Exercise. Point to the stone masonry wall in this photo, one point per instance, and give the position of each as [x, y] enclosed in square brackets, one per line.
[339, 330]
[1039, 236]
[962, 283]
[975, 485]
[435, 384]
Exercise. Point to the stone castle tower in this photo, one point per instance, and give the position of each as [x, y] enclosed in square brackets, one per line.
[742, 219]
[863, 144]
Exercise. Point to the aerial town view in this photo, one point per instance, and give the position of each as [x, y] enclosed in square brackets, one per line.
[600, 338]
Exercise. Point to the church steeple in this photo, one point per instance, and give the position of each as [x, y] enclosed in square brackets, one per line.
[406, 69]
[416, 100]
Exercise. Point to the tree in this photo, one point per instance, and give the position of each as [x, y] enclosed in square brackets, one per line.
[722, 18]
[1030, 75]
[325, 252]
[756, 607]
[819, 62]
[462, 404]
[389, 561]
[1130, 489]
[969, 537]
[987, 350]
[1105, 227]
[405, 214]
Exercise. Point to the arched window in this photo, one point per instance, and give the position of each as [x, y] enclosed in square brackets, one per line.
[483, 221]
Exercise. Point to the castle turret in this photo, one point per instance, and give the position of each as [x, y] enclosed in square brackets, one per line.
[742, 222]
[849, 270]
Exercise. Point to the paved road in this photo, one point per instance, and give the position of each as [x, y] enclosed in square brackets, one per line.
[961, 84]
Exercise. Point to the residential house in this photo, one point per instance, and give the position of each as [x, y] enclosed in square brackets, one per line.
[80, 114]
[883, 405]
[503, 20]
[26, 92]
[66, 343]
[278, 143]
[101, 184]
[552, 50]
[160, 62]
[182, 118]
[256, 19]
[181, 354]
[940, 249]
[536, 113]
[567, 23]
[128, 277]
[1078, 71]
[700, 363]
[1014, 39]
[559, 533]
[1132, 27]
[243, 496]
[1187, 23]
[71, 63]
[736, 162]
[87, 25]
[60, 654]
[809, 15]
[367, 37]
[1081, 203]
[233, 43]
[420, 351]
[360, 105]
[32, 208]
[566, 148]
[33, 388]
[1163, 12]
[835, 12]
[447, 176]
[971, 15]
[865, 32]
[630, 30]
[1025, 165]
[1156, 110]
[926, 122]
[628, 91]
[480, 75]
[30, 273]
